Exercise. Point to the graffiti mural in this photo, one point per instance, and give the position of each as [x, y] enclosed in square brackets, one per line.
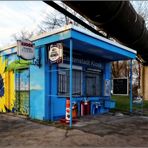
[7, 87]
[22, 80]
[14, 85]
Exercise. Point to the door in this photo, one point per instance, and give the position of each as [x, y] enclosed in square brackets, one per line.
[22, 83]
[90, 86]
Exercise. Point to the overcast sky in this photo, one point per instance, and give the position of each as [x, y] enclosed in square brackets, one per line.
[18, 15]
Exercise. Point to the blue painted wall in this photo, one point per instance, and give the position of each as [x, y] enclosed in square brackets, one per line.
[45, 104]
[57, 103]
[107, 71]
[37, 88]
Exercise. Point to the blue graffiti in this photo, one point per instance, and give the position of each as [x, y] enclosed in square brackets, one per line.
[1, 86]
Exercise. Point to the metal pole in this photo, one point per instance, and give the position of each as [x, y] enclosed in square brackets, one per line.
[131, 95]
[139, 71]
[70, 83]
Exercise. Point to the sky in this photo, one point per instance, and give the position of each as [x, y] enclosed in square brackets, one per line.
[16, 16]
[19, 15]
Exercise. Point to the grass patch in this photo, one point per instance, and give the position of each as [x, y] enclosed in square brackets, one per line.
[123, 104]
[145, 105]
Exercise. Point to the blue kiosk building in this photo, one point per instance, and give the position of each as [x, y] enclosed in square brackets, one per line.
[82, 74]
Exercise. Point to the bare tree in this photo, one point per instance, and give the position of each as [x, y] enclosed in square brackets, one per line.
[141, 8]
[120, 69]
[56, 19]
[22, 35]
[52, 21]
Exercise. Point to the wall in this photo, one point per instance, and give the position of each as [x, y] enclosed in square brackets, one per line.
[13, 94]
[145, 82]
[107, 79]
[39, 90]
[58, 104]
[39, 100]
[44, 102]
[7, 87]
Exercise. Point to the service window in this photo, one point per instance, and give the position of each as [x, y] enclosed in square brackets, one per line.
[64, 78]
[94, 79]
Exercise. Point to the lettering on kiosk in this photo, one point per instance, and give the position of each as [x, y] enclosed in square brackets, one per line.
[56, 53]
[25, 49]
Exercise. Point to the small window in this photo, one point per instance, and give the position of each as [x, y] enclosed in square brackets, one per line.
[62, 87]
[63, 82]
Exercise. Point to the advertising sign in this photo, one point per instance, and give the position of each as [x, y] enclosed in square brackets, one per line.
[55, 53]
[120, 86]
[25, 49]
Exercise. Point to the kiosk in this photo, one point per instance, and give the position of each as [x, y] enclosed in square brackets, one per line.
[68, 62]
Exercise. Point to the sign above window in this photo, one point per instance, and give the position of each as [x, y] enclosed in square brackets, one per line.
[25, 49]
[55, 53]
[84, 61]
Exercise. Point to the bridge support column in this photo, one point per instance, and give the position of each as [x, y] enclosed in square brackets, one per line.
[144, 78]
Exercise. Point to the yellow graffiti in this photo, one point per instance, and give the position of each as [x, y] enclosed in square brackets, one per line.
[7, 88]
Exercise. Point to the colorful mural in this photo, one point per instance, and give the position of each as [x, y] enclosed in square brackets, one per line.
[14, 85]
[22, 91]
[7, 87]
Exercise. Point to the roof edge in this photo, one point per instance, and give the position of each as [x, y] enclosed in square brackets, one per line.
[34, 38]
[103, 39]
[71, 26]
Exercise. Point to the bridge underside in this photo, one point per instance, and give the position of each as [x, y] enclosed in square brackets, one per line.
[118, 19]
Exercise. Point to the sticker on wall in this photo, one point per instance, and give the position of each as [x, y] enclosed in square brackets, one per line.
[55, 53]
[107, 88]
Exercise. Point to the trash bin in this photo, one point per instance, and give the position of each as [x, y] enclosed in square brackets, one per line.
[74, 110]
[85, 108]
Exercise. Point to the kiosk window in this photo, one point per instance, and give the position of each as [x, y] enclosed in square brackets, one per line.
[62, 87]
[63, 82]
[94, 83]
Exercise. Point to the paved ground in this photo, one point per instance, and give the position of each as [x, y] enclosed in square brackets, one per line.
[107, 130]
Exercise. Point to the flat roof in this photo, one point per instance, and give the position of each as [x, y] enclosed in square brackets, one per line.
[83, 41]
[84, 31]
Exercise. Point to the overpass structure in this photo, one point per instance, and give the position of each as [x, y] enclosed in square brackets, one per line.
[120, 21]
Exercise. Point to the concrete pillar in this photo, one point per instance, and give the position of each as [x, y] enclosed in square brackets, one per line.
[141, 80]
[144, 78]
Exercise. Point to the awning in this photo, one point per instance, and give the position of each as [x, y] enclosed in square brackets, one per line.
[87, 42]
[18, 64]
